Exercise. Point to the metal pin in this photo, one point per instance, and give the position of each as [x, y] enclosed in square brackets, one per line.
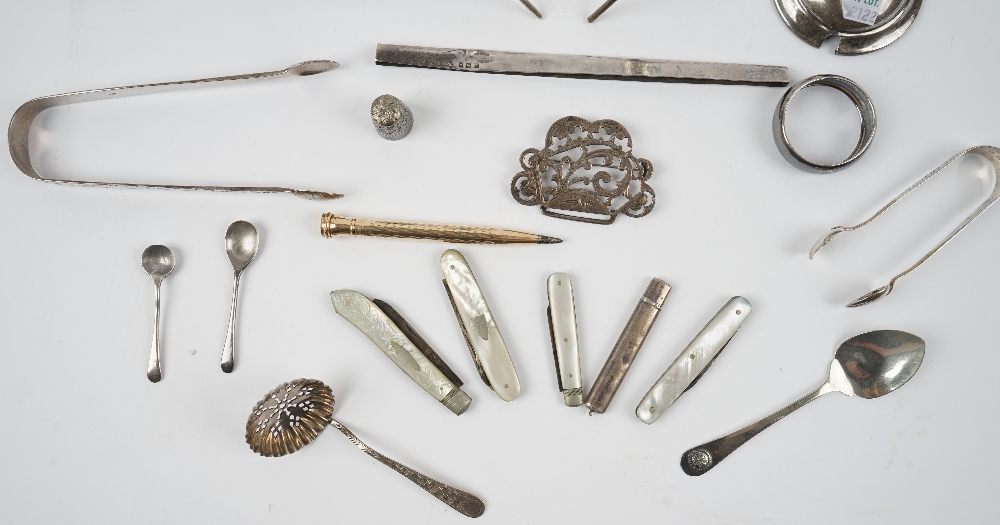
[532, 8]
[600, 10]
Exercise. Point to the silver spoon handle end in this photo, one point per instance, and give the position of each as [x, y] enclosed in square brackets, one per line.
[153, 370]
[468, 504]
[229, 351]
[700, 460]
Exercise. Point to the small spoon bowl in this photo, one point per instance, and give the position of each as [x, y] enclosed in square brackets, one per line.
[157, 261]
[241, 244]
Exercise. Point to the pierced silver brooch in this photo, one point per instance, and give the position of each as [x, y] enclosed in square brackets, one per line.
[586, 169]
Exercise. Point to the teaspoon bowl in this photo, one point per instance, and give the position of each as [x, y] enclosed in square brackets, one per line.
[158, 261]
[241, 244]
[876, 363]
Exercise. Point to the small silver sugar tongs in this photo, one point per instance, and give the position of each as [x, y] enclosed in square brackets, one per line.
[18, 134]
[990, 153]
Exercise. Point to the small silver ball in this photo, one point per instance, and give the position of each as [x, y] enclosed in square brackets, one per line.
[392, 119]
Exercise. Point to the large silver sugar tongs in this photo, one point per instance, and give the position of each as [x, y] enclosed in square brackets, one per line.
[990, 153]
[20, 125]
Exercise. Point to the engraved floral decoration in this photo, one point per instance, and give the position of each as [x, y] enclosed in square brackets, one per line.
[562, 176]
[289, 417]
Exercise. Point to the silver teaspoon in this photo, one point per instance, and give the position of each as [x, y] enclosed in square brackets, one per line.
[292, 415]
[869, 365]
[241, 246]
[157, 261]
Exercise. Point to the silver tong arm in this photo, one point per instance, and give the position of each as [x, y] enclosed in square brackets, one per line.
[990, 153]
[18, 133]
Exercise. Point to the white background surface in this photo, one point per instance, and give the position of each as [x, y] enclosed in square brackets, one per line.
[87, 439]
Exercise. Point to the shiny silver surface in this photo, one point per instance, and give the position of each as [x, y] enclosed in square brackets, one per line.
[294, 414]
[816, 20]
[990, 153]
[242, 242]
[565, 338]
[157, 261]
[689, 366]
[869, 365]
[579, 66]
[366, 316]
[18, 133]
[861, 100]
[393, 120]
[600, 10]
[479, 327]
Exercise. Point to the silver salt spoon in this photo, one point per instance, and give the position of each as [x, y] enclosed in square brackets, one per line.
[157, 261]
[241, 246]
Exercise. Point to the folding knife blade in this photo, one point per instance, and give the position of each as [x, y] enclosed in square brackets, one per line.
[381, 330]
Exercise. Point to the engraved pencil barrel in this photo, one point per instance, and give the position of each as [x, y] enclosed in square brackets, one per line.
[627, 347]
[331, 225]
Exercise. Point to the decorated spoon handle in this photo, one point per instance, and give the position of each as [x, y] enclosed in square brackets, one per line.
[459, 500]
[700, 460]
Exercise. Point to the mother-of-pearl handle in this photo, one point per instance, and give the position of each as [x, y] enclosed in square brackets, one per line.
[694, 360]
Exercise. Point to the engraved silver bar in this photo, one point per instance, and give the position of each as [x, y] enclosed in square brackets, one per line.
[366, 316]
[479, 327]
[565, 342]
[694, 360]
[580, 66]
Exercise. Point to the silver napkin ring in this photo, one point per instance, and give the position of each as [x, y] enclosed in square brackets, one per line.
[854, 92]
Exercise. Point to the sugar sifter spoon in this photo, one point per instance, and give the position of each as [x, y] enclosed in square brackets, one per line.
[292, 415]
